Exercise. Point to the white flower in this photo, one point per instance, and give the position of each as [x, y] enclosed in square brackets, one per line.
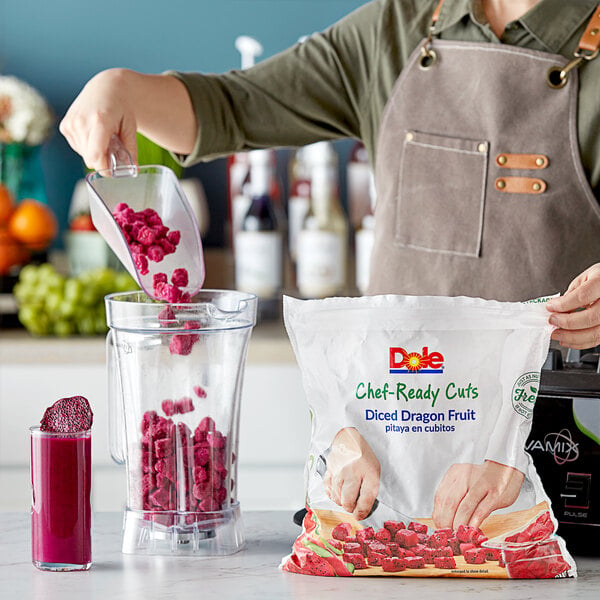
[25, 117]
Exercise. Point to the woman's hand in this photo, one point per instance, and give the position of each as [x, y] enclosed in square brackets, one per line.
[121, 102]
[469, 493]
[577, 312]
[352, 477]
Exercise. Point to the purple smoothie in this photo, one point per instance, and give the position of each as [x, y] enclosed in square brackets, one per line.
[61, 509]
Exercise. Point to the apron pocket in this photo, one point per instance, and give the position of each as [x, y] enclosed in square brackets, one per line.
[441, 194]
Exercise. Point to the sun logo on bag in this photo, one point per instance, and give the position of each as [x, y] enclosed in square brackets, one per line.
[402, 361]
[413, 361]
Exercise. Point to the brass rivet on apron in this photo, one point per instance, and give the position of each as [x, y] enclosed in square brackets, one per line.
[482, 147]
[410, 136]
[502, 159]
[539, 161]
[594, 32]
[500, 184]
[536, 187]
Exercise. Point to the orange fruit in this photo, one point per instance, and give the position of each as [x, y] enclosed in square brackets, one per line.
[7, 204]
[11, 252]
[33, 224]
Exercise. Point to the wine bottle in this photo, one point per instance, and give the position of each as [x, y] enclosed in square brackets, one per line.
[323, 239]
[259, 243]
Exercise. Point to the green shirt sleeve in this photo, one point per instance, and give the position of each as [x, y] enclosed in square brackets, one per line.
[315, 90]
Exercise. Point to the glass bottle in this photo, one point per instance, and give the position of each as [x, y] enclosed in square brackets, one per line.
[323, 240]
[258, 245]
[364, 239]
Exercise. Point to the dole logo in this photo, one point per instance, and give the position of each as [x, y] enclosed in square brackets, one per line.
[402, 361]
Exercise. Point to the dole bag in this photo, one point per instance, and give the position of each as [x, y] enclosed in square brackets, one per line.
[420, 409]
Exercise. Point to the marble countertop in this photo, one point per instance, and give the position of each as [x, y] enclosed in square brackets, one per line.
[250, 574]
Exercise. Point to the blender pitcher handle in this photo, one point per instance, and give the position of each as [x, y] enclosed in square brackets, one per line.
[116, 421]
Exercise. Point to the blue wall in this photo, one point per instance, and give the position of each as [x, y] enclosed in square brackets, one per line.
[57, 45]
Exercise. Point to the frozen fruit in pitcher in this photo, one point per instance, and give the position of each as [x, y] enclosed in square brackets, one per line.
[181, 344]
[185, 405]
[199, 391]
[168, 407]
[68, 415]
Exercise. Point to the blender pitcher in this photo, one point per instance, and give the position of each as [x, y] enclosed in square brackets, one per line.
[175, 377]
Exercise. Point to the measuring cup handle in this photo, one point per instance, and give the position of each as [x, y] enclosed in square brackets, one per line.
[120, 158]
[116, 416]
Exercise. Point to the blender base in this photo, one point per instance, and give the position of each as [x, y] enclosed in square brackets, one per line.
[183, 533]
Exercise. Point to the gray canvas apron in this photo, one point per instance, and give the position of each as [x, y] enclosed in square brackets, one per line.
[481, 190]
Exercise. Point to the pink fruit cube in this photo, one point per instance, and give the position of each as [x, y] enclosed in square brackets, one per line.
[443, 551]
[335, 544]
[418, 527]
[141, 264]
[378, 548]
[414, 562]
[199, 391]
[393, 564]
[353, 547]
[185, 405]
[465, 547]
[362, 535]
[166, 317]
[474, 556]
[168, 407]
[215, 439]
[174, 236]
[438, 539]
[492, 554]
[181, 344]
[180, 278]
[375, 560]
[444, 562]
[406, 538]
[340, 532]
[201, 455]
[145, 235]
[160, 498]
[155, 252]
[358, 560]
[383, 535]
[394, 526]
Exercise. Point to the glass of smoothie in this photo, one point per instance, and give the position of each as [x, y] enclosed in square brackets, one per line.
[61, 508]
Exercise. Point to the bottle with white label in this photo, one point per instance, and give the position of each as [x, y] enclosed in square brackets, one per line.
[259, 243]
[364, 239]
[323, 239]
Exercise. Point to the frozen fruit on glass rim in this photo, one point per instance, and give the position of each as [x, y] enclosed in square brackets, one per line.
[68, 415]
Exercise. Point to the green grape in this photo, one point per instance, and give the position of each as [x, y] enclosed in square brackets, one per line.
[86, 325]
[44, 271]
[29, 274]
[63, 328]
[53, 302]
[67, 308]
[73, 289]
